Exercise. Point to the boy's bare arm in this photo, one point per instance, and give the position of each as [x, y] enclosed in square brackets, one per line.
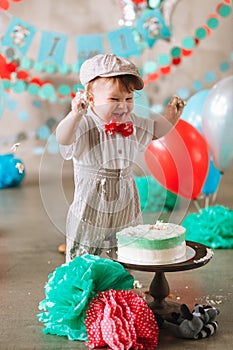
[66, 129]
[164, 124]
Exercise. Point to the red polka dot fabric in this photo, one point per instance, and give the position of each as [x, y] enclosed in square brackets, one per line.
[121, 320]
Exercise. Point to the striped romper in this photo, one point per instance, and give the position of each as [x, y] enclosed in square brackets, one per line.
[105, 195]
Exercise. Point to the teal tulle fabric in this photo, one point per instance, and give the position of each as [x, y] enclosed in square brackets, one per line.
[213, 226]
[70, 289]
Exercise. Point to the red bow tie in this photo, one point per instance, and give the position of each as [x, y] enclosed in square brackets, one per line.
[126, 129]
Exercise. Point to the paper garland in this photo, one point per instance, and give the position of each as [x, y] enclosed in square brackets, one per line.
[5, 4]
[12, 105]
[125, 41]
[165, 62]
[152, 70]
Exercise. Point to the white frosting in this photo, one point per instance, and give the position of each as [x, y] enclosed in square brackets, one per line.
[151, 257]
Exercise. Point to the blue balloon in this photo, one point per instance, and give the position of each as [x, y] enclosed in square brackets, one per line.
[10, 175]
[192, 112]
[212, 180]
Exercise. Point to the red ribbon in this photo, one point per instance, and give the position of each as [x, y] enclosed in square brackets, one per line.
[125, 129]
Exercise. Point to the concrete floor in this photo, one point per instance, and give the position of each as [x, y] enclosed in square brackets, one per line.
[29, 238]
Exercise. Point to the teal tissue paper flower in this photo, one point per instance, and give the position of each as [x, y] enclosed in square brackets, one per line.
[212, 226]
[153, 196]
[12, 171]
[70, 289]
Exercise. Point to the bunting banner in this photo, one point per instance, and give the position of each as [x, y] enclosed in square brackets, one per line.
[52, 47]
[151, 26]
[88, 46]
[15, 69]
[122, 42]
[125, 41]
[19, 35]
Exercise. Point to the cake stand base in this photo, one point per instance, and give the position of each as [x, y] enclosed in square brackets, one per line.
[156, 299]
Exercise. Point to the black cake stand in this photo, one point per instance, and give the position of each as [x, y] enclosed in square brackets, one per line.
[159, 287]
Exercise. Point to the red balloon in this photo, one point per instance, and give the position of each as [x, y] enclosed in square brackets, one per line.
[179, 161]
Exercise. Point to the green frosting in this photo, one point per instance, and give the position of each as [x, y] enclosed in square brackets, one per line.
[150, 244]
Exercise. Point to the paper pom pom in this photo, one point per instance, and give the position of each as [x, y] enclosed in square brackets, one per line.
[121, 320]
[12, 171]
[213, 226]
[70, 289]
[153, 196]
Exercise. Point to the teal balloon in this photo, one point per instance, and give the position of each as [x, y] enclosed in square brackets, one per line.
[193, 110]
[212, 180]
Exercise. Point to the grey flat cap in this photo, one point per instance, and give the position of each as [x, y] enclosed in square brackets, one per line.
[108, 65]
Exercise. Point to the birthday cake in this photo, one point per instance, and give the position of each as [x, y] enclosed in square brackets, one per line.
[160, 243]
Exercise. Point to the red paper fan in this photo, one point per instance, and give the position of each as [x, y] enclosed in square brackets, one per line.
[121, 320]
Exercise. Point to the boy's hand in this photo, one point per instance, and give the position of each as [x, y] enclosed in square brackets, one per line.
[174, 109]
[79, 103]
